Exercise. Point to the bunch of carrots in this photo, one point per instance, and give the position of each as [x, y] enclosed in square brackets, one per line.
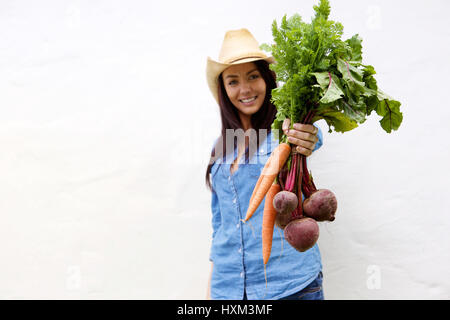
[282, 181]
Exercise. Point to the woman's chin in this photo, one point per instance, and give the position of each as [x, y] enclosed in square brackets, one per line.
[249, 110]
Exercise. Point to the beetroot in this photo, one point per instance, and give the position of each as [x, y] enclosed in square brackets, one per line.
[321, 205]
[285, 202]
[302, 233]
[282, 220]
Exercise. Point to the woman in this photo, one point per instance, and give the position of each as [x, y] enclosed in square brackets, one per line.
[241, 82]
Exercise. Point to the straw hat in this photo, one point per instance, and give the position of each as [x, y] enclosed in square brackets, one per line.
[238, 46]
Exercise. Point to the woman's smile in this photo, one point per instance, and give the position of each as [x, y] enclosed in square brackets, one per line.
[248, 101]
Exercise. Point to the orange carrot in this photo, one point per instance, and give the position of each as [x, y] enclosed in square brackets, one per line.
[273, 166]
[268, 222]
[259, 181]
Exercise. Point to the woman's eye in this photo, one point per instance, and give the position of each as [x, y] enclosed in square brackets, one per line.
[254, 76]
[232, 82]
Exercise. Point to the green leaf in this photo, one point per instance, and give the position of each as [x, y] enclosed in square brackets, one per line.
[368, 70]
[354, 111]
[356, 46]
[339, 121]
[323, 10]
[371, 104]
[383, 96]
[323, 79]
[350, 73]
[330, 86]
[276, 130]
[266, 47]
[390, 111]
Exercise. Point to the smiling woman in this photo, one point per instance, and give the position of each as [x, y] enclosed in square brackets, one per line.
[246, 89]
[242, 83]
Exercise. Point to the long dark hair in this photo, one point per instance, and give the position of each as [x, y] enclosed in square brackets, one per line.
[230, 117]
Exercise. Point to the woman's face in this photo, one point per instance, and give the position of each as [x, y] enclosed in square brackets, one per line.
[245, 88]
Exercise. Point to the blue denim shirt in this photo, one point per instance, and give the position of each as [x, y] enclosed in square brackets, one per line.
[236, 249]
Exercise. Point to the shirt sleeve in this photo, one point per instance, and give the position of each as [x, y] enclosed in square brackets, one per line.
[216, 218]
[320, 141]
[215, 213]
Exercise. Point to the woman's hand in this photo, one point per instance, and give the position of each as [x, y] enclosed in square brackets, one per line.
[304, 136]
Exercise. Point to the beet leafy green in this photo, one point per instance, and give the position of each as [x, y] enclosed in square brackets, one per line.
[323, 77]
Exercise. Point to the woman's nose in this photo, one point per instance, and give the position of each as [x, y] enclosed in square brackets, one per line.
[245, 87]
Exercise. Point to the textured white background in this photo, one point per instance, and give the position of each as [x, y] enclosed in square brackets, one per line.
[106, 124]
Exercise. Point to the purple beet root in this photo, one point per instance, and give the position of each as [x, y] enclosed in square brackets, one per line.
[302, 233]
[284, 203]
[321, 205]
[282, 220]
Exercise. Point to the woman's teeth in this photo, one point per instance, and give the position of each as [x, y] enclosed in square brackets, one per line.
[248, 100]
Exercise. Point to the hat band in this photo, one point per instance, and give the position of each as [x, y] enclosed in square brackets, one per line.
[248, 57]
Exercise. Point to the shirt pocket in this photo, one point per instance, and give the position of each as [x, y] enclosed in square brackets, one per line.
[261, 156]
[254, 170]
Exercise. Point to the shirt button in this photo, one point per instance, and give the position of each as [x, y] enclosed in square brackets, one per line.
[234, 200]
[240, 250]
[242, 274]
[237, 226]
[261, 151]
[229, 178]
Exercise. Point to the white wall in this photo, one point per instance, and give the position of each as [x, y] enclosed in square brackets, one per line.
[106, 124]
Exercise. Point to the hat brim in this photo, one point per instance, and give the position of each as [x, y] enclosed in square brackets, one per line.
[214, 69]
